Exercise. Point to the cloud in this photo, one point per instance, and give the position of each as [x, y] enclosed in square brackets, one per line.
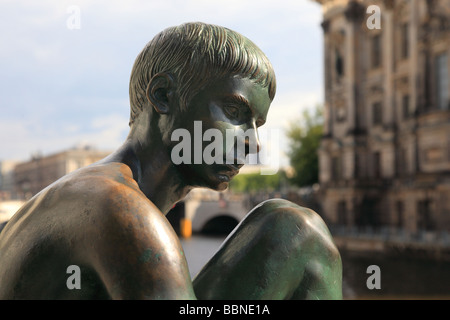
[24, 138]
[289, 107]
[59, 87]
[108, 133]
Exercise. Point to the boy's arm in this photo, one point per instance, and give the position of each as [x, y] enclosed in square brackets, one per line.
[137, 253]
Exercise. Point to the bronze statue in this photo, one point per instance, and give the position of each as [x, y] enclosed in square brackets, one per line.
[108, 219]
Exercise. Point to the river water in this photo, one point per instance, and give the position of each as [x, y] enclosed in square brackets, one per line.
[400, 277]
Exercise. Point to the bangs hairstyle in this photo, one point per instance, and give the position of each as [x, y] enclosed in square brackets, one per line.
[194, 54]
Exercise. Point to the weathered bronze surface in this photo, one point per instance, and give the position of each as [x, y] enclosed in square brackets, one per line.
[109, 218]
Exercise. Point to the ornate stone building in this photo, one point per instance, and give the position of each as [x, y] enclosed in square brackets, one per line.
[385, 155]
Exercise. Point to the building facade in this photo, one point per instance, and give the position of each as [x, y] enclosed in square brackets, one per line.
[385, 156]
[7, 180]
[32, 176]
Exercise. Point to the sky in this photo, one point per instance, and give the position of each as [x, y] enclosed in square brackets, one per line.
[64, 80]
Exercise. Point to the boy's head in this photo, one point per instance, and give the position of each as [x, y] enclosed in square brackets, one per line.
[194, 54]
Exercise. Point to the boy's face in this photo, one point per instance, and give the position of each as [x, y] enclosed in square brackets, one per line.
[228, 107]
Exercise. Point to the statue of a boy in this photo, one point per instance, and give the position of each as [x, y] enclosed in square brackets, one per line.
[109, 218]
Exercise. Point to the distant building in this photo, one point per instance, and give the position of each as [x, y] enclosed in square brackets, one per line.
[385, 155]
[7, 180]
[32, 176]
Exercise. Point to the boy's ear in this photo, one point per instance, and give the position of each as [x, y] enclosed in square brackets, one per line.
[160, 91]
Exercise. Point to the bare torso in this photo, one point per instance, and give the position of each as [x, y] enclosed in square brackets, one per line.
[88, 219]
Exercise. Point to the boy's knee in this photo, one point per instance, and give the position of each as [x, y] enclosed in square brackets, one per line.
[277, 211]
[283, 219]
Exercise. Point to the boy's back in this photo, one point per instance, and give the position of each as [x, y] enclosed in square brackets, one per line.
[79, 220]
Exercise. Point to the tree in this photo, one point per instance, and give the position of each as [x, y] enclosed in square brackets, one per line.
[251, 182]
[304, 139]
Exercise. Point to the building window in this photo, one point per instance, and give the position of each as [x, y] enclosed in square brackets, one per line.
[376, 51]
[404, 50]
[339, 63]
[441, 71]
[377, 108]
[401, 164]
[405, 106]
[357, 170]
[342, 213]
[400, 214]
[336, 168]
[425, 221]
[377, 165]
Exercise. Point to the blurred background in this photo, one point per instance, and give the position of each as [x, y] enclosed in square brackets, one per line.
[362, 101]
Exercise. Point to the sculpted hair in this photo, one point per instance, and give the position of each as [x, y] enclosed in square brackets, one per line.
[194, 54]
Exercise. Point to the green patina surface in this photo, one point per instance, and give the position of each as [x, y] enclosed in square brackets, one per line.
[148, 254]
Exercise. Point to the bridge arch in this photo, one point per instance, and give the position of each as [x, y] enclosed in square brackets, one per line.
[202, 212]
[220, 224]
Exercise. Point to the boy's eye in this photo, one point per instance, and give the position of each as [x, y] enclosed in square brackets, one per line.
[232, 112]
